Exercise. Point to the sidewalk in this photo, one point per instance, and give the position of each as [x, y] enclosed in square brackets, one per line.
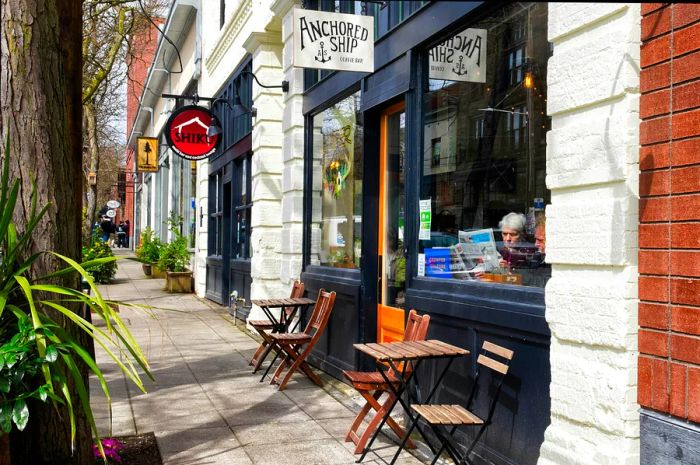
[205, 406]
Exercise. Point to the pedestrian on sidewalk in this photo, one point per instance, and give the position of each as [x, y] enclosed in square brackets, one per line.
[121, 235]
[126, 234]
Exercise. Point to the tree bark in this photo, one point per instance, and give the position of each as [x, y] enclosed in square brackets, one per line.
[93, 166]
[40, 101]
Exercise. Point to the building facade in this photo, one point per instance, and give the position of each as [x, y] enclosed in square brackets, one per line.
[488, 172]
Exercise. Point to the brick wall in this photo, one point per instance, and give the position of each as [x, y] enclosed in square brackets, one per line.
[669, 231]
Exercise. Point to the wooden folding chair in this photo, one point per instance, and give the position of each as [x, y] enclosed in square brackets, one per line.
[444, 416]
[263, 326]
[297, 346]
[371, 385]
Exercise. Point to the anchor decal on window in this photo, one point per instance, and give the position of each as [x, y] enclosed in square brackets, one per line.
[460, 68]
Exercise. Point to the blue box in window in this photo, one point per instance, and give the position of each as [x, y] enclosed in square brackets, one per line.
[437, 262]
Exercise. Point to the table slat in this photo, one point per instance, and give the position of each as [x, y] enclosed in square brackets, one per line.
[389, 353]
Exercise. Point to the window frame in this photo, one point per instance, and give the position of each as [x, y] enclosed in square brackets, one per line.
[478, 289]
[242, 169]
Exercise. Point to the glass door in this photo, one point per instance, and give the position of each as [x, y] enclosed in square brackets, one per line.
[391, 250]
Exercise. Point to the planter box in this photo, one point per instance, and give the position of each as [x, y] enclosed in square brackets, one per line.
[146, 268]
[157, 272]
[178, 281]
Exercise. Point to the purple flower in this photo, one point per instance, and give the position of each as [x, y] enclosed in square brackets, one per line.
[111, 448]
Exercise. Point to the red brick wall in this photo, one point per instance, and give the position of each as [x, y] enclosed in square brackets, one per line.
[669, 230]
[143, 47]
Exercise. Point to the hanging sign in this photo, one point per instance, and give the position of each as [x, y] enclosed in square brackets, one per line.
[111, 213]
[325, 40]
[186, 132]
[113, 204]
[462, 57]
[146, 154]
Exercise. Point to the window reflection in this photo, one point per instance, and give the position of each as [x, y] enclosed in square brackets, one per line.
[484, 151]
[337, 174]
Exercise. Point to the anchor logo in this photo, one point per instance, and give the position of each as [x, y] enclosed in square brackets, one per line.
[322, 55]
[460, 68]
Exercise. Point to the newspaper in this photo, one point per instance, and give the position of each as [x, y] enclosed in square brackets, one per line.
[477, 250]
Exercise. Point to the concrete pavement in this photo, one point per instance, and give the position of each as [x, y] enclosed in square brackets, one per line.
[205, 406]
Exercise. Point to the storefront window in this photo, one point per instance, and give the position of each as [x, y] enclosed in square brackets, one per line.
[337, 188]
[242, 206]
[483, 186]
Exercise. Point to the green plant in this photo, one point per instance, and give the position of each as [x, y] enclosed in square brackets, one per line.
[104, 273]
[39, 358]
[150, 248]
[175, 256]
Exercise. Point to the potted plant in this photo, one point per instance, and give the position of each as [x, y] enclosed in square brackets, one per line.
[175, 258]
[148, 253]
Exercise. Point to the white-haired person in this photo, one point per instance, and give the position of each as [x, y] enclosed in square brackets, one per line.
[513, 231]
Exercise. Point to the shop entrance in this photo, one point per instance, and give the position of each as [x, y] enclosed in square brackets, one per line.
[391, 252]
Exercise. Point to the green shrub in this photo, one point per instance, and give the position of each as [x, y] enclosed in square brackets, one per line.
[150, 248]
[102, 273]
[175, 256]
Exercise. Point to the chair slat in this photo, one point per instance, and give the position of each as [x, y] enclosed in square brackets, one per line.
[449, 417]
[498, 350]
[493, 364]
[425, 412]
[465, 416]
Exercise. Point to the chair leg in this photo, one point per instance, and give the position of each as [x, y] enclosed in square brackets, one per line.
[257, 362]
[298, 360]
[445, 444]
[261, 348]
[381, 411]
[352, 431]
[280, 368]
[310, 373]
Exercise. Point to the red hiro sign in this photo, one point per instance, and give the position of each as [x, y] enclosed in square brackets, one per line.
[186, 132]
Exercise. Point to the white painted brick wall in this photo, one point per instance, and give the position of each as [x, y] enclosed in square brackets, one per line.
[292, 153]
[592, 171]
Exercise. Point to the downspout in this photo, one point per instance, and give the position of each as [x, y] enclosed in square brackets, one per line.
[198, 42]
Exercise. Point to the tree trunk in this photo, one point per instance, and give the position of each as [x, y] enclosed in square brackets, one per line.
[40, 99]
[93, 166]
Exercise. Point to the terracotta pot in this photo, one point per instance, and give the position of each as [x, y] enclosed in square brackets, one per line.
[178, 281]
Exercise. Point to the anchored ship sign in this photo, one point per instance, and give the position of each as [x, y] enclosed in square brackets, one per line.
[324, 40]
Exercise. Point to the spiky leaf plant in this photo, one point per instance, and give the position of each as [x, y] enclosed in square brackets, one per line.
[38, 357]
